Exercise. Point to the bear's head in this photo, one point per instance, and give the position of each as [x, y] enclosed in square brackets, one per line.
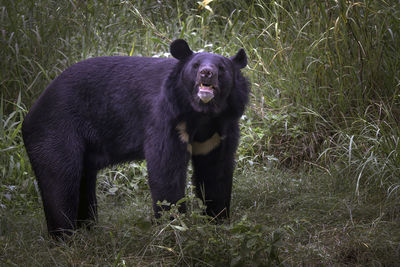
[208, 78]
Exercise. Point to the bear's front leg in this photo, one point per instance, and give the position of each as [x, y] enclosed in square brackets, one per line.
[213, 174]
[167, 160]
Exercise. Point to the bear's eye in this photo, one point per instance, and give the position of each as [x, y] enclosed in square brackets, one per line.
[196, 65]
[221, 69]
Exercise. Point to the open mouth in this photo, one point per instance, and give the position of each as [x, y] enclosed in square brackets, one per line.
[206, 92]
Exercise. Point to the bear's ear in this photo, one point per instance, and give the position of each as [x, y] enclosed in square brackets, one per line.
[240, 59]
[180, 49]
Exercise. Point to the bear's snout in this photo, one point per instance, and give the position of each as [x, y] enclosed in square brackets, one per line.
[208, 74]
[207, 82]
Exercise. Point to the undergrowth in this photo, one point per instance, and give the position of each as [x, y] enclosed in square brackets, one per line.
[317, 178]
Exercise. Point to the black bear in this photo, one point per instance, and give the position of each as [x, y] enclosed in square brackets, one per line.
[108, 110]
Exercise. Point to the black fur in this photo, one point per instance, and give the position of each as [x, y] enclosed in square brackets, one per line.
[108, 110]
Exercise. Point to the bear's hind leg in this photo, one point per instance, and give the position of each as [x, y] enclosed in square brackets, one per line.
[87, 210]
[57, 163]
[60, 194]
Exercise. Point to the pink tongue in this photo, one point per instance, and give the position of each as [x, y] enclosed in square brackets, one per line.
[205, 94]
[206, 89]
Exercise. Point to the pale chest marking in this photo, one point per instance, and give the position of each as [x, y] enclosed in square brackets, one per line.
[203, 148]
[183, 135]
[198, 148]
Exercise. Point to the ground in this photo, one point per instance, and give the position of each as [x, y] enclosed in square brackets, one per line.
[289, 217]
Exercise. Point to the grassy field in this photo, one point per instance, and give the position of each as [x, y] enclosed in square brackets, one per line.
[318, 168]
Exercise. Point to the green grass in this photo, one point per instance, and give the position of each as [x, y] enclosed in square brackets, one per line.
[317, 179]
[291, 218]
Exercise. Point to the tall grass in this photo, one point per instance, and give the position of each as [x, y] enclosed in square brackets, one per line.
[321, 72]
[325, 102]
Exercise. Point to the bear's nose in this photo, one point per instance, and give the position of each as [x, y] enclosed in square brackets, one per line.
[206, 73]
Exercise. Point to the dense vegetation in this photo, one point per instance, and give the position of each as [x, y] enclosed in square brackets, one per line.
[318, 168]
